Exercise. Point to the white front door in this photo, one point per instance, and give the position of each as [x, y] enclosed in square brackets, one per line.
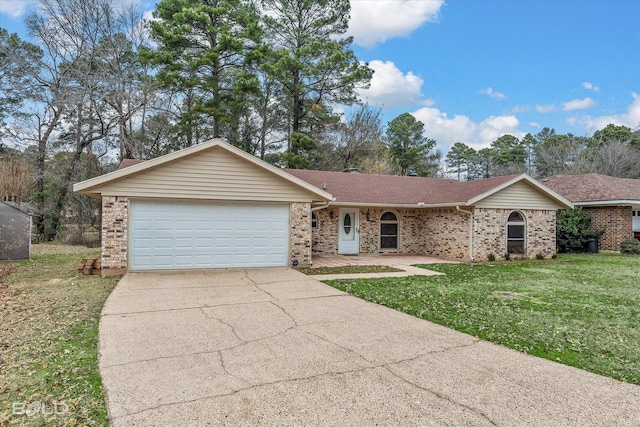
[348, 242]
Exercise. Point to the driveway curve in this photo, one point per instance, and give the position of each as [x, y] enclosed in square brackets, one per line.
[276, 347]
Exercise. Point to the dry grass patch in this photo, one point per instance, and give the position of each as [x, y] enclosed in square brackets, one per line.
[48, 339]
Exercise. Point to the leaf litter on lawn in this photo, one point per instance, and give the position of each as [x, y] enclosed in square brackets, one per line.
[48, 339]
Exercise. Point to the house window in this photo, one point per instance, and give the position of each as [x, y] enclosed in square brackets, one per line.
[314, 221]
[388, 231]
[516, 233]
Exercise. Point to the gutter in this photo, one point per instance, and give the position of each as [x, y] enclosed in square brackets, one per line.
[470, 213]
[395, 205]
[324, 205]
[617, 202]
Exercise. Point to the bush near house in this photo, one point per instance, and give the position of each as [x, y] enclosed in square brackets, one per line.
[573, 230]
[631, 247]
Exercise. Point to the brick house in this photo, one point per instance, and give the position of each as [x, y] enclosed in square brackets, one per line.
[613, 204]
[384, 214]
[215, 206]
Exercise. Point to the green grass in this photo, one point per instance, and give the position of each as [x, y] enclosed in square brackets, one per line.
[580, 310]
[49, 338]
[350, 269]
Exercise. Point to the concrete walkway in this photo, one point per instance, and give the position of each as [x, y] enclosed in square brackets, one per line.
[405, 263]
[275, 347]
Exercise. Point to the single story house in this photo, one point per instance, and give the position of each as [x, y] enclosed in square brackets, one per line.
[613, 204]
[387, 214]
[215, 206]
[15, 232]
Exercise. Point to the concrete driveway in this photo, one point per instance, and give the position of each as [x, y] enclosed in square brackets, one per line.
[275, 347]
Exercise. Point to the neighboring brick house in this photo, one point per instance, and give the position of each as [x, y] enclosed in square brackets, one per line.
[215, 206]
[613, 204]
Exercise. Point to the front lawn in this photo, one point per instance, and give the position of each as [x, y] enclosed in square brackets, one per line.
[580, 310]
[48, 339]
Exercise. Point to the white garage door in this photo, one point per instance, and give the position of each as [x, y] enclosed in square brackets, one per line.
[179, 235]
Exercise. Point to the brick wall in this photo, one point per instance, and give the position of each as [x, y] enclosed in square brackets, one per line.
[617, 223]
[325, 236]
[490, 228]
[440, 232]
[300, 234]
[114, 234]
[446, 233]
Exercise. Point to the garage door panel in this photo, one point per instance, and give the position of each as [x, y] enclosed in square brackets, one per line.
[166, 235]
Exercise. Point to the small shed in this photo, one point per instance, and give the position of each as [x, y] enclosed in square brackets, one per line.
[15, 232]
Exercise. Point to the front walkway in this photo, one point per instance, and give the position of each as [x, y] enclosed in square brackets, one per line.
[402, 262]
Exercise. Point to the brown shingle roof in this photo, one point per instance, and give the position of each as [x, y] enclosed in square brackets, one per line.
[592, 187]
[396, 190]
[360, 188]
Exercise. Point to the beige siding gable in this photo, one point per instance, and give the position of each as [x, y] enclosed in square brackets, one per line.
[519, 195]
[214, 174]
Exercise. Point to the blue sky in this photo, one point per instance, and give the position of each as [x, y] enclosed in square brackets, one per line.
[473, 70]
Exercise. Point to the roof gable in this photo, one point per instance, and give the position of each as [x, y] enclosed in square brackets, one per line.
[521, 194]
[208, 171]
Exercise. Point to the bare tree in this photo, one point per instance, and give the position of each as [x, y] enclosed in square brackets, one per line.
[360, 136]
[16, 183]
[560, 154]
[83, 98]
[615, 158]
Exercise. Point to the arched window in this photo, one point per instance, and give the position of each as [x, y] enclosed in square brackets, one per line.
[314, 221]
[516, 233]
[388, 231]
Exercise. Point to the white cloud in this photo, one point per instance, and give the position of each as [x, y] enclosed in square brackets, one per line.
[578, 104]
[546, 108]
[446, 131]
[390, 87]
[590, 86]
[630, 119]
[15, 8]
[535, 125]
[493, 94]
[147, 15]
[494, 127]
[375, 21]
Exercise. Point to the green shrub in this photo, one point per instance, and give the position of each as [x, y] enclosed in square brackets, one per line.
[572, 230]
[630, 247]
[539, 256]
[491, 257]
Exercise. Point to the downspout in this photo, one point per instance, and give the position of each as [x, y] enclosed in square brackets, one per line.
[470, 213]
